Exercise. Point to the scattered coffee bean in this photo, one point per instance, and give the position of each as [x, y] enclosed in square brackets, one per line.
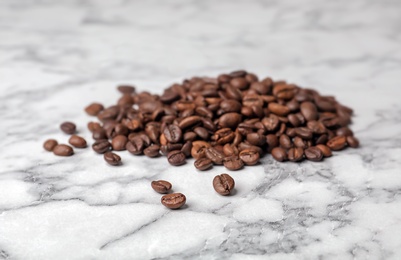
[68, 128]
[77, 141]
[337, 143]
[279, 154]
[63, 150]
[203, 164]
[50, 144]
[101, 146]
[126, 89]
[94, 109]
[214, 155]
[352, 141]
[176, 157]
[112, 158]
[173, 200]
[152, 151]
[119, 142]
[233, 163]
[161, 186]
[249, 156]
[223, 184]
[135, 146]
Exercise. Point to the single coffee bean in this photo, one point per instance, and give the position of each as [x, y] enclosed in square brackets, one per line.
[77, 141]
[230, 105]
[322, 139]
[94, 109]
[230, 120]
[63, 150]
[99, 134]
[50, 144]
[309, 111]
[344, 131]
[223, 136]
[256, 139]
[198, 149]
[176, 157]
[223, 184]
[202, 132]
[173, 200]
[214, 155]
[109, 113]
[278, 109]
[249, 156]
[337, 143]
[126, 89]
[313, 154]
[304, 132]
[294, 120]
[233, 163]
[119, 142]
[68, 128]
[92, 126]
[285, 141]
[299, 142]
[112, 158]
[173, 133]
[165, 149]
[295, 154]
[101, 146]
[317, 127]
[135, 146]
[239, 83]
[325, 150]
[203, 164]
[279, 154]
[161, 186]
[186, 149]
[272, 141]
[189, 121]
[190, 136]
[352, 141]
[271, 123]
[230, 150]
[152, 151]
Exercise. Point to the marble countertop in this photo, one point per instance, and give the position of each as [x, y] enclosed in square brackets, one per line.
[58, 56]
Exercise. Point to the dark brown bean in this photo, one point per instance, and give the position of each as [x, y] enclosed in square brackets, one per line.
[325, 150]
[295, 154]
[92, 126]
[68, 128]
[337, 143]
[198, 149]
[135, 146]
[172, 133]
[161, 186]
[317, 127]
[309, 111]
[352, 141]
[278, 109]
[256, 139]
[152, 151]
[285, 141]
[223, 184]
[249, 156]
[49, 144]
[233, 163]
[112, 158]
[203, 164]
[230, 120]
[173, 200]
[63, 150]
[189, 121]
[126, 89]
[119, 142]
[176, 158]
[202, 132]
[279, 154]
[186, 149]
[223, 136]
[272, 141]
[214, 155]
[313, 154]
[304, 133]
[77, 141]
[101, 146]
[94, 109]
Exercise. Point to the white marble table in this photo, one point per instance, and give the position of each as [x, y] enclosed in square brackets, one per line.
[58, 56]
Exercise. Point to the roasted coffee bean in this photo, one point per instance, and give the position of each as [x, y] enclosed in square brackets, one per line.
[260, 88]
[295, 154]
[173, 133]
[186, 149]
[223, 136]
[223, 184]
[109, 113]
[161, 186]
[176, 157]
[284, 91]
[317, 127]
[344, 131]
[189, 121]
[299, 142]
[352, 141]
[313, 154]
[173, 200]
[92, 126]
[119, 142]
[202, 132]
[337, 143]
[304, 132]
[285, 141]
[249, 156]
[271, 123]
[230, 105]
[63, 150]
[112, 158]
[50, 144]
[152, 151]
[198, 149]
[99, 134]
[278, 109]
[214, 155]
[325, 150]
[279, 154]
[165, 149]
[294, 120]
[94, 109]
[272, 141]
[309, 111]
[230, 120]
[230, 150]
[101, 146]
[256, 139]
[135, 146]
[203, 164]
[126, 89]
[233, 163]
[239, 83]
[77, 141]
[190, 136]
[68, 128]
[322, 139]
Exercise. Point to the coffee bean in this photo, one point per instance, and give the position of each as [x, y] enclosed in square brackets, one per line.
[126, 89]
[271, 123]
[230, 105]
[230, 150]
[223, 184]
[68, 128]
[249, 156]
[313, 154]
[173, 200]
[317, 127]
[198, 149]
[239, 83]
[284, 91]
[344, 131]
[203, 164]
[152, 151]
[223, 136]
[214, 155]
[279, 154]
[325, 150]
[165, 149]
[299, 142]
[176, 158]
[186, 149]
[101, 146]
[50, 144]
[322, 139]
[63, 150]
[109, 113]
[99, 134]
[189, 121]
[161, 186]
[295, 154]
[135, 146]
[92, 126]
[337, 143]
[230, 120]
[285, 141]
[304, 132]
[119, 142]
[352, 141]
[233, 163]
[94, 109]
[309, 111]
[112, 158]
[256, 139]
[278, 109]
[77, 141]
[272, 141]
[173, 133]
[202, 132]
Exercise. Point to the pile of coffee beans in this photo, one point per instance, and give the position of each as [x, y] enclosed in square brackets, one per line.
[231, 120]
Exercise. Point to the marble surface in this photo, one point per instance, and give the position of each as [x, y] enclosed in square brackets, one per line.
[58, 56]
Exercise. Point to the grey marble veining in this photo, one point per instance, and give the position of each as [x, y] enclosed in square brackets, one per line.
[58, 56]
